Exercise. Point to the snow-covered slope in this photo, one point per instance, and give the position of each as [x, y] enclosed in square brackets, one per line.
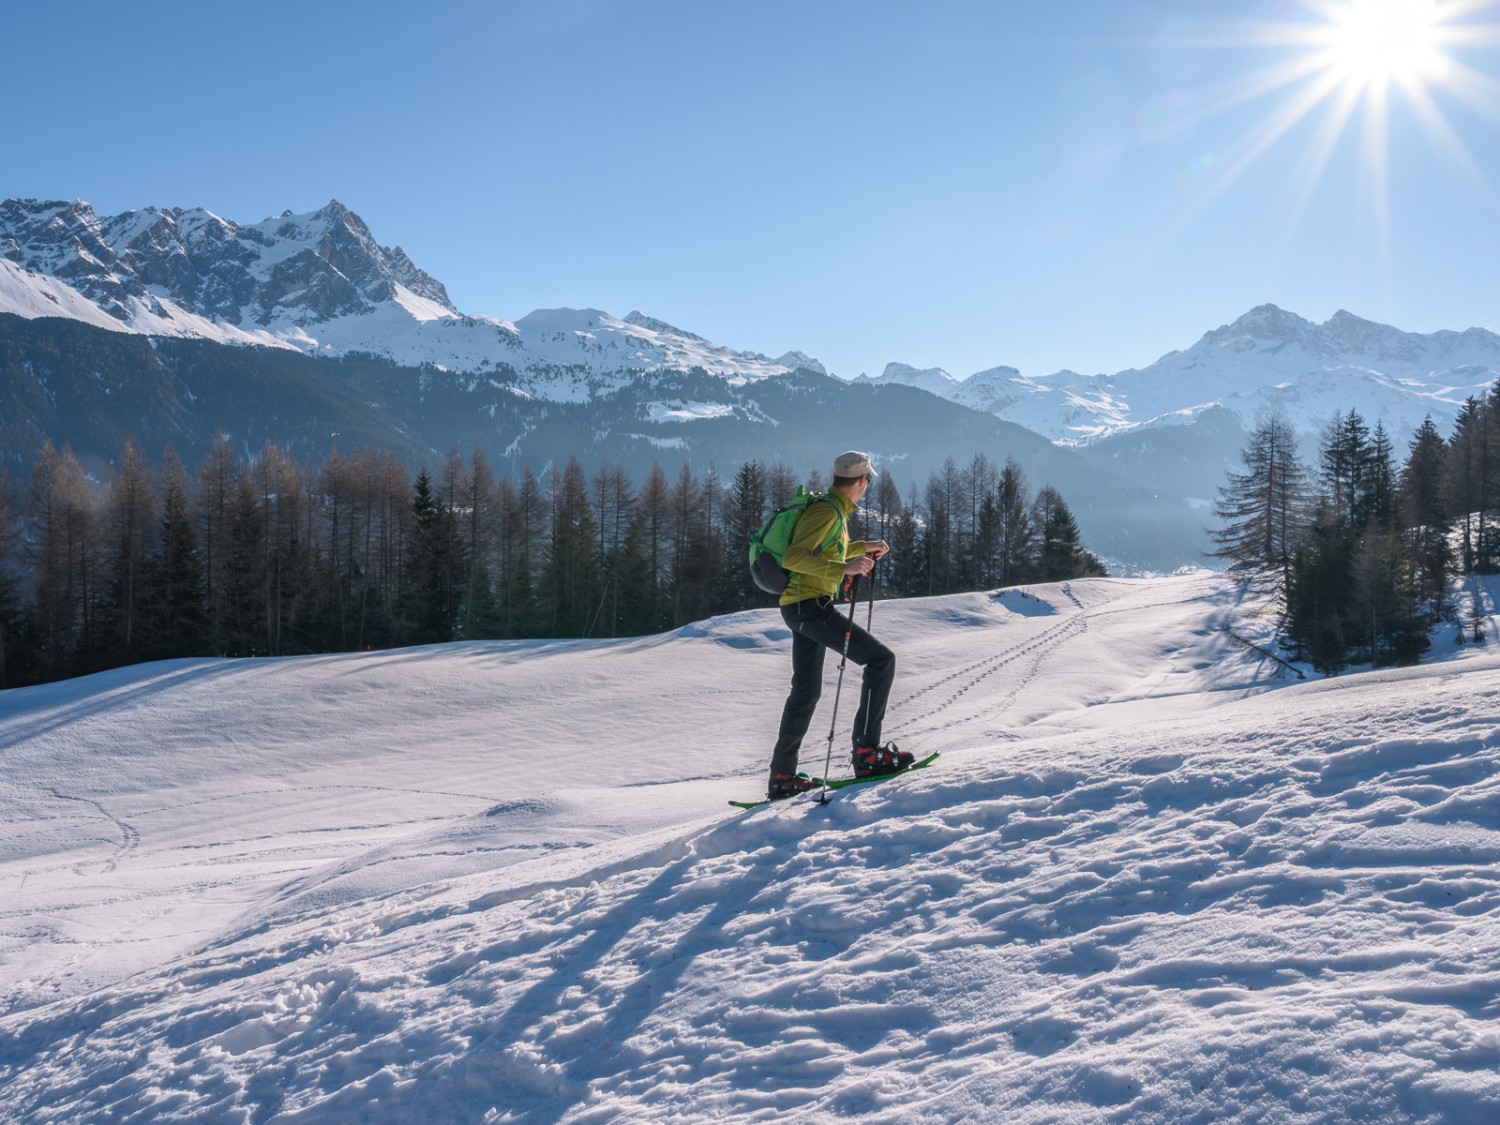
[498, 882]
[1267, 359]
[320, 282]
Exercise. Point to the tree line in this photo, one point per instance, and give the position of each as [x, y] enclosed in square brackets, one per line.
[266, 556]
[1360, 552]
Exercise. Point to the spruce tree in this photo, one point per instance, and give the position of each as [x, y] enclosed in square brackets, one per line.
[1346, 467]
[1014, 534]
[904, 573]
[480, 611]
[177, 621]
[1264, 508]
[612, 498]
[1317, 597]
[130, 523]
[11, 624]
[746, 507]
[244, 600]
[64, 549]
[1423, 514]
[1386, 601]
[218, 486]
[425, 606]
[1465, 491]
[1378, 499]
[1061, 554]
[570, 574]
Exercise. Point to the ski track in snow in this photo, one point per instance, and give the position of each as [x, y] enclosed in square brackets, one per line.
[1147, 881]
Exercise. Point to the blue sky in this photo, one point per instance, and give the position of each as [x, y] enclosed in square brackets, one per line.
[1043, 185]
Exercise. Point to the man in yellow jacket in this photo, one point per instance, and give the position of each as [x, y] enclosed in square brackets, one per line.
[819, 558]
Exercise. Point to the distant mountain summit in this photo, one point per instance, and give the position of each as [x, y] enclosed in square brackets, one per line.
[1267, 359]
[288, 271]
[321, 284]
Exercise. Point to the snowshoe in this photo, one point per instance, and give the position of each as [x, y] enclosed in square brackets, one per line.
[784, 785]
[870, 761]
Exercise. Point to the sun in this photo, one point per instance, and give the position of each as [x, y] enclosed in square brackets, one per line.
[1380, 41]
[1342, 64]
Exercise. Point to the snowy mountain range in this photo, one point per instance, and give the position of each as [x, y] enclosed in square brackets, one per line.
[1147, 881]
[1135, 451]
[1267, 359]
[319, 283]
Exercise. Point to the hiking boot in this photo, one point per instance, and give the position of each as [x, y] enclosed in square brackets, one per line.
[785, 785]
[872, 760]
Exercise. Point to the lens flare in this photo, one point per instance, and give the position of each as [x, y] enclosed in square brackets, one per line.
[1348, 64]
[1384, 40]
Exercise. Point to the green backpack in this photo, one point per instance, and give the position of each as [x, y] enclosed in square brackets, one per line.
[769, 543]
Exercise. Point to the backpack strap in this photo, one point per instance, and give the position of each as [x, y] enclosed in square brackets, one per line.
[843, 522]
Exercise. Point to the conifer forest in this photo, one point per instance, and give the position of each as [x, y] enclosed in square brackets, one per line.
[266, 556]
[1361, 554]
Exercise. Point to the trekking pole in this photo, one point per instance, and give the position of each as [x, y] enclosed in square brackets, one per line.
[843, 660]
[870, 601]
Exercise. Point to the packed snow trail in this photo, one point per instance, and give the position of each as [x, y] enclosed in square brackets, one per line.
[1168, 894]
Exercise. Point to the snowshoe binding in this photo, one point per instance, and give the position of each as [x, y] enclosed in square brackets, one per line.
[870, 761]
[784, 785]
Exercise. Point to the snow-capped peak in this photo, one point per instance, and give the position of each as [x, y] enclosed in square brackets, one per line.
[801, 361]
[319, 282]
[641, 320]
[932, 379]
[1267, 358]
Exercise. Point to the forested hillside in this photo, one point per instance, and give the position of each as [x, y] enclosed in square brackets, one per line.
[275, 557]
[1362, 552]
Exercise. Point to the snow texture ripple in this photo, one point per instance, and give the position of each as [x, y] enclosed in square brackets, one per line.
[1148, 881]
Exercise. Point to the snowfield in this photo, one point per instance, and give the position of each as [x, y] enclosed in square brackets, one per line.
[1147, 881]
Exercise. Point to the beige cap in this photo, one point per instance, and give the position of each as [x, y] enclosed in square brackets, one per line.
[853, 464]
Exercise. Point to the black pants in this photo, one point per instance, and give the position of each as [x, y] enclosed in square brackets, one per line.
[817, 626]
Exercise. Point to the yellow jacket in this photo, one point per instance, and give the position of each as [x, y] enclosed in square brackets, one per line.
[815, 575]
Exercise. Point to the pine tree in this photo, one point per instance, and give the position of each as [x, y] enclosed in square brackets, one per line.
[453, 490]
[1345, 467]
[746, 507]
[1423, 513]
[1379, 498]
[244, 626]
[425, 604]
[650, 601]
[1386, 600]
[1061, 553]
[977, 482]
[288, 590]
[880, 520]
[1464, 492]
[1014, 537]
[480, 611]
[1488, 546]
[693, 559]
[1264, 508]
[12, 627]
[612, 498]
[64, 549]
[570, 573]
[338, 484]
[521, 551]
[939, 557]
[218, 486]
[178, 626]
[1317, 594]
[130, 523]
